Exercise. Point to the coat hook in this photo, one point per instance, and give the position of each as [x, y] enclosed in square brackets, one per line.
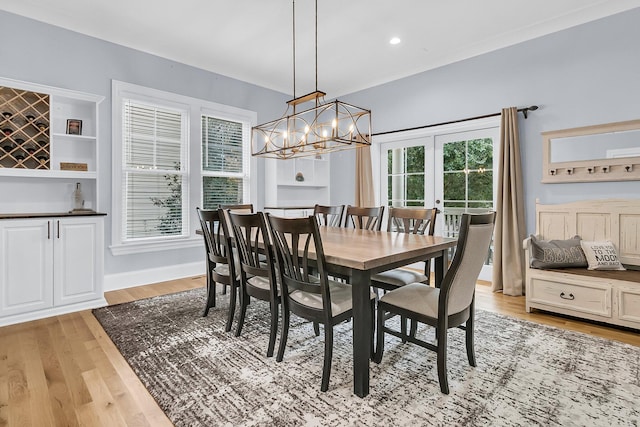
[628, 168]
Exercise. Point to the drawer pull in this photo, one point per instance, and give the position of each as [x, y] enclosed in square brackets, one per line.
[570, 297]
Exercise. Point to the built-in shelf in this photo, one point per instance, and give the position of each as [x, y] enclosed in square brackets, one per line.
[295, 182]
[49, 142]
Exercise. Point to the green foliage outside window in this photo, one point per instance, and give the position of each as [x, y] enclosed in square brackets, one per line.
[171, 221]
[468, 173]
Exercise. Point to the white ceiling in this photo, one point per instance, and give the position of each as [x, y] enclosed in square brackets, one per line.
[251, 40]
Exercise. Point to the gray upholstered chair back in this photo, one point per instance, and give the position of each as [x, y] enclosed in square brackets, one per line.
[458, 286]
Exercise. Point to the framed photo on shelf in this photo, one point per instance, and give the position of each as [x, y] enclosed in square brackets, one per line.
[74, 127]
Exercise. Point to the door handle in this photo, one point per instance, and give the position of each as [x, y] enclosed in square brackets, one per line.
[58, 229]
[437, 202]
[48, 230]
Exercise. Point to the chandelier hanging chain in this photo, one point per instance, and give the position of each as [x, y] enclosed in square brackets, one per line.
[316, 50]
[294, 48]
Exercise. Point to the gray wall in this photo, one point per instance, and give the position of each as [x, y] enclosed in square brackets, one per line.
[582, 76]
[44, 54]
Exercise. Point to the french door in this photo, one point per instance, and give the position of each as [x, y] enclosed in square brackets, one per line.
[451, 168]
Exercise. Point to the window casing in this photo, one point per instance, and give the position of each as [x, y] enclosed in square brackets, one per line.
[159, 171]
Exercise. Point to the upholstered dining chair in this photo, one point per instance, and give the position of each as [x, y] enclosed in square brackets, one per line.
[257, 273]
[312, 297]
[330, 216]
[451, 305]
[221, 262]
[369, 218]
[409, 221]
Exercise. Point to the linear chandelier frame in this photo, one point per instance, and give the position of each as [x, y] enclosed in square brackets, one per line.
[325, 127]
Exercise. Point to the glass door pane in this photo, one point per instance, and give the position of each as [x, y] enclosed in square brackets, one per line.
[465, 179]
[407, 166]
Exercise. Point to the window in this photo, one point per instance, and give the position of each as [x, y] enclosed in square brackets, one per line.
[153, 172]
[406, 174]
[223, 174]
[163, 170]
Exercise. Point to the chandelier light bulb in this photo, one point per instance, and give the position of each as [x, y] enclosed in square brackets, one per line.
[334, 123]
[325, 133]
[306, 129]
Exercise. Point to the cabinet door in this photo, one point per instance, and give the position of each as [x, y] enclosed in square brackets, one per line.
[77, 259]
[26, 265]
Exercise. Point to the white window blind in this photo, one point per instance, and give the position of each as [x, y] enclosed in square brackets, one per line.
[223, 165]
[153, 173]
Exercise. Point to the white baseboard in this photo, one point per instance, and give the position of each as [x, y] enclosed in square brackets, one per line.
[130, 279]
[52, 311]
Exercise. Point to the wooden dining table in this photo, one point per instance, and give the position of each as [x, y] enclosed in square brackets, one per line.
[362, 253]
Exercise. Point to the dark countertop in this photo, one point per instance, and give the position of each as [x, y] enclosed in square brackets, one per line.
[49, 214]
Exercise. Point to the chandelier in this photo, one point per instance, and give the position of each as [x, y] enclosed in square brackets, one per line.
[317, 128]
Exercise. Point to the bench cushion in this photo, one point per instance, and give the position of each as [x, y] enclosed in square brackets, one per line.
[626, 275]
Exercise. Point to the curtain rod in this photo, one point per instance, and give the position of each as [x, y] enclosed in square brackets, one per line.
[520, 110]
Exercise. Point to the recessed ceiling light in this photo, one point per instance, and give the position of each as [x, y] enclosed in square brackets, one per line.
[395, 40]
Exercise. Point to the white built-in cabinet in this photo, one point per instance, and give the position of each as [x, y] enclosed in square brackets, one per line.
[50, 265]
[297, 182]
[51, 260]
[44, 181]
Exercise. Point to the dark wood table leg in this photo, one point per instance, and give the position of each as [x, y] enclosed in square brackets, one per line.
[360, 283]
[442, 263]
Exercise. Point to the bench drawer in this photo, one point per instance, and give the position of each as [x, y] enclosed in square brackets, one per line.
[592, 298]
[629, 304]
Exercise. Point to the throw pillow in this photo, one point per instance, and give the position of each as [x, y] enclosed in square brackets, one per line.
[557, 253]
[601, 255]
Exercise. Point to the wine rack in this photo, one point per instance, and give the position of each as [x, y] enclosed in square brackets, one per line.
[24, 127]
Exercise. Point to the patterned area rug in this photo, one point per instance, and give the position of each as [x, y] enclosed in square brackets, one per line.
[527, 374]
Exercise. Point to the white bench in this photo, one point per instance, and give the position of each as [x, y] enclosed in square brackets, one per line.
[604, 296]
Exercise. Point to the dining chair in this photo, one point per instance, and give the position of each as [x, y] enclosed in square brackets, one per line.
[451, 305]
[330, 216]
[298, 245]
[238, 208]
[257, 274]
[369, 218]
[221, 263]
[410, 221]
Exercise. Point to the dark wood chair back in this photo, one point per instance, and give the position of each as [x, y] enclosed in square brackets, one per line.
[330, 216]
[368, 218]
[293, 240]
[238, 208]
[254, 246]
[221, 265]
[412, 220]
[257, 268]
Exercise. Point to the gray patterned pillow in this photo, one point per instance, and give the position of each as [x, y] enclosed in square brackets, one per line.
[547, 254]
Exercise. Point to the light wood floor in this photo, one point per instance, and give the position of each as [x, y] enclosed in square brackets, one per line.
[65, 371]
